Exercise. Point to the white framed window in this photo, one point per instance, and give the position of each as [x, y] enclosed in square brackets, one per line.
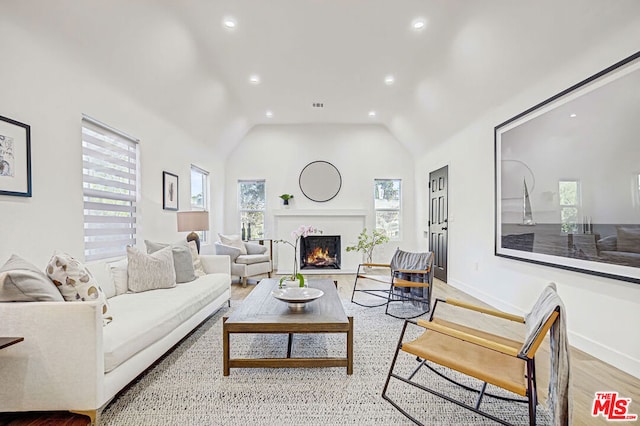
[570, 205]
[387, 202]
[252, 205]
[110, 189]
[200, 195]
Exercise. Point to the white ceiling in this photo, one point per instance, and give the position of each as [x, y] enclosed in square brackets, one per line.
[176, 58]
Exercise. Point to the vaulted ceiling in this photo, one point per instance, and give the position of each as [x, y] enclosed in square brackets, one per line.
[179, 59]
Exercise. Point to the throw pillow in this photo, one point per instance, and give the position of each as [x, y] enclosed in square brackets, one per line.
[233, 241]
[75, 282]
[119, 276]
[629, 239]
[150, 271]
[182, 260]
[20, 281]
[197, 263]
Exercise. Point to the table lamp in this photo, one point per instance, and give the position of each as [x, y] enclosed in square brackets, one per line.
[193, 221]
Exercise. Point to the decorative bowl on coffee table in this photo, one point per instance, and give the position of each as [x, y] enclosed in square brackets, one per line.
[297, 297]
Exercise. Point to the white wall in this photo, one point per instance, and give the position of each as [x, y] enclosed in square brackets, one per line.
[48, 89]
[602, 313]
[361, 153]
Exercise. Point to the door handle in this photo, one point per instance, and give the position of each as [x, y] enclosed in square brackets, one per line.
[444, 228]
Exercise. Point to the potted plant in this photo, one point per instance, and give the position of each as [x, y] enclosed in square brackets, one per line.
[286, 198]
[296, 278]
[368, 242]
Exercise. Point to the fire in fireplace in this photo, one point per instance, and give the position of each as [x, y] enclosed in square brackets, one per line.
[320, 252]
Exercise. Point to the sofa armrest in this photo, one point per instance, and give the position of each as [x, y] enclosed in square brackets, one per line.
[60, 363]
[216, 264]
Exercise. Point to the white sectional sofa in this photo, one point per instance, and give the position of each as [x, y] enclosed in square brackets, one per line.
[70, 361]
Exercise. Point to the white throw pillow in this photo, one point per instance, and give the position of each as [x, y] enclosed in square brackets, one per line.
[197, 264]
[75, 282]
[233, 241]
[119, 276]
[150, 271]
[20, 281]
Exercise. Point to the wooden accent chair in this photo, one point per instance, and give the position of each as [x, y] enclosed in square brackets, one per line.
[409, 282]
[493, 359]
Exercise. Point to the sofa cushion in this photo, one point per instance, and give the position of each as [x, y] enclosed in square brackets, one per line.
[255, 248]
[182, 259]
[198, 269]
[629, 239]
[250, 259]
[144, 318]
[20, 281]
[233, 241]
[150, 271]
[119, 275]
[76, 283]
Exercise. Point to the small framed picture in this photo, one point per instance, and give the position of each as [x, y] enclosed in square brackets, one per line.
[169, 191]
[15, 158]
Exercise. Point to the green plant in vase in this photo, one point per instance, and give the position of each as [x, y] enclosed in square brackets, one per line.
[302, 231]
[368, 242]
[286, 198]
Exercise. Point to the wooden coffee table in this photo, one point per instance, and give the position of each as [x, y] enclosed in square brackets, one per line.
[260, 313]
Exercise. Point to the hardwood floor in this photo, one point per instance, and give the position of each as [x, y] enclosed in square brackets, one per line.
[589, 375]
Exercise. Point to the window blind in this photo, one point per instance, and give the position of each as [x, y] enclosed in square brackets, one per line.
[110, 188]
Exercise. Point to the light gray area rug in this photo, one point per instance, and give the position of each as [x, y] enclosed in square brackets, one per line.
[187, 386]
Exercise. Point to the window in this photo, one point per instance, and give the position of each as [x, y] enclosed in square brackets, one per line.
[251, 200]
[569, 198]
[387, 206]
[110, 188]
[200, 194]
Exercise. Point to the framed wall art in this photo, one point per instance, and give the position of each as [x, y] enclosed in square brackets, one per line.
[567, 170]
[169, 191]
[15, 158]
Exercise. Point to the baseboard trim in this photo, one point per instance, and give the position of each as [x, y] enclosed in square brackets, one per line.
[597, 350]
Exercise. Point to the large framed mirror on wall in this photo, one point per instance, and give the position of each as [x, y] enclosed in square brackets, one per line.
[320, 181]
[568, 177]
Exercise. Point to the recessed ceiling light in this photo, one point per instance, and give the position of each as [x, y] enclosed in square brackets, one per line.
[269, 114]
[573, 115]
[372, 113]
[229, 23]
[254, 79]
[389, 80]
[419, 24]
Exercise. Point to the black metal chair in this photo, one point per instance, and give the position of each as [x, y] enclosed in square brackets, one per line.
[409, 283]
[493, 359]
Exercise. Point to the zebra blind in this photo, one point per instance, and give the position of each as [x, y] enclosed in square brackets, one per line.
[110, 187]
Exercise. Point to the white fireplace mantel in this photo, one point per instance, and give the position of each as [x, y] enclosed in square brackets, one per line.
[344, 222]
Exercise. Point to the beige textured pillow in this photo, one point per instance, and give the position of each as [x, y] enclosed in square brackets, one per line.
[197, 264]
[75, 282]
[233, 241]
[150, 271]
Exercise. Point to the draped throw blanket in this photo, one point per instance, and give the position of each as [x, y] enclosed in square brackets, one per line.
[417, 261]
[559, 378]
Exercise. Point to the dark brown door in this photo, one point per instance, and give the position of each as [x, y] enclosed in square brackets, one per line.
[438, 222]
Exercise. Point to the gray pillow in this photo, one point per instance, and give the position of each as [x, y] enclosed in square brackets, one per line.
[182, 259]
[20, 281]
[150, 271]
[629, 239]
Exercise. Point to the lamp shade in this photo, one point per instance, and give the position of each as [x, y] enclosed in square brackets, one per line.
[193, 221]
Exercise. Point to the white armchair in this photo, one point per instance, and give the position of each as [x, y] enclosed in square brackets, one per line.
[257, 261]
